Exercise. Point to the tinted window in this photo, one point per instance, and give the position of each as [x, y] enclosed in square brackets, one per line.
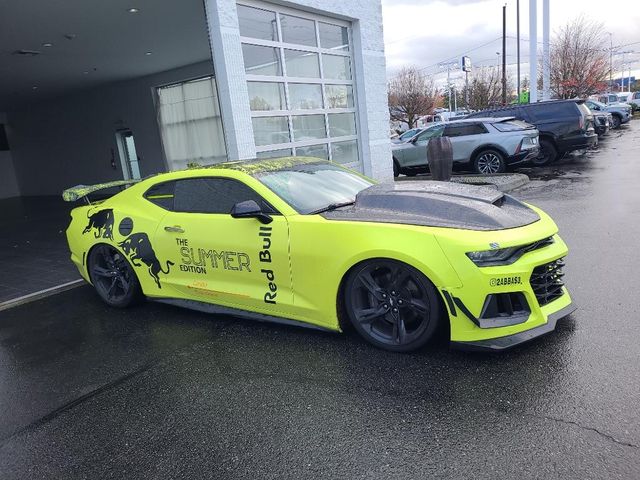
[161, 194]
[462, 130]
[211, 195]
[553, 111]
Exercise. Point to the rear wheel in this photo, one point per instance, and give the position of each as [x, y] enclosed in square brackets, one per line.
[489, 162]
[548, 153]
[112, 276]
[391, 305]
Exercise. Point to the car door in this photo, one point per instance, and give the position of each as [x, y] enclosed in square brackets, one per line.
[464, 139]
[236, 262]
[414, 153]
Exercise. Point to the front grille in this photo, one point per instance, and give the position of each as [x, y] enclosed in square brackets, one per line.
[546, 281]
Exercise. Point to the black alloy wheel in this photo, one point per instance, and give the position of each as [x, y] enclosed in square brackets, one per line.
[548, 153]
[391, 305]
[113, 277]
[489, 162]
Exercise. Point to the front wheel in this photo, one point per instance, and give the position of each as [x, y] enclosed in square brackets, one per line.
[392, 305]
[112, 276]
[489, 162]
[396, 168]
[615, 122]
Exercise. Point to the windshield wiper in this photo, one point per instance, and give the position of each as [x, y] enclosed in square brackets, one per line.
[332, 206]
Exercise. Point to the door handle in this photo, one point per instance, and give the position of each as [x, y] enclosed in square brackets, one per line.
[174, 229]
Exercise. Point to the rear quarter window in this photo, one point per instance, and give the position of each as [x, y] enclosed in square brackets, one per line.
[512, 126]
[162, 194]
[553, 111]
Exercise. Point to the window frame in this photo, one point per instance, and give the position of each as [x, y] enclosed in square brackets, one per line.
[281, 46]
[266, 206]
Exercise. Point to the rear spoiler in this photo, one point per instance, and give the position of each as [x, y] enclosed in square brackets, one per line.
[82, 191]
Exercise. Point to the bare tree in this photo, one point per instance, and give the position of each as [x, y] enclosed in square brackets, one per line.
[579, 59]
[485, 88]
[411, 95]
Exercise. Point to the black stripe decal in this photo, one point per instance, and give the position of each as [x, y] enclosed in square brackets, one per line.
[466, 311]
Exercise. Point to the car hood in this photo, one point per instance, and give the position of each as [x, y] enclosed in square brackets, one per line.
[436, 204]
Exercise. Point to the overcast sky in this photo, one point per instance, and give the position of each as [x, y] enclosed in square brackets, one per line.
[427, 32]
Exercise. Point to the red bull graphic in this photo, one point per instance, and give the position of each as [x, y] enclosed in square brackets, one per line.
[137, 247]
[102, 223]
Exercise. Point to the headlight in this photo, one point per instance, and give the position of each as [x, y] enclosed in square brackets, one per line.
[505, 256]
[498, 256]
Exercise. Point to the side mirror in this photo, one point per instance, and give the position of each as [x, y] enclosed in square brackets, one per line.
[250, 209]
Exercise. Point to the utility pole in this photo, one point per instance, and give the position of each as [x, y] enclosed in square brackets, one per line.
[504, 54]
[518, 46]
[546, 92]
[533, 51]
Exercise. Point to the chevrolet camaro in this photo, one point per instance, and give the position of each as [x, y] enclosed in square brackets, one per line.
[304, 241]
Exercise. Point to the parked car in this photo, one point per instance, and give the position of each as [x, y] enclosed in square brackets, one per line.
[620, 112]
[602, 122]
[632, 98]
[487, 145]
[564, 125]
[303, 241]
[406, 136]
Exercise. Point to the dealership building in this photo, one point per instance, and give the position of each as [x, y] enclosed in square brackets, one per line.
[98, 91]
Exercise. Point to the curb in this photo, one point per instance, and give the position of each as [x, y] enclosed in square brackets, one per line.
[505, 182]
[47, 292]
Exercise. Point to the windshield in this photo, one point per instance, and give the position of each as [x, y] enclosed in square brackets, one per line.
[409, 133]
[592, 103]
[314, 186]
[431, 132]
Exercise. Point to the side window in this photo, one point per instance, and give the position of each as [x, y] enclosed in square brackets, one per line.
[213, 195]
[554, 111]
[161, 194]
[462, 130]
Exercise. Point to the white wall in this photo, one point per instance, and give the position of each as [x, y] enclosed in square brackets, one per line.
[8, 181]
[371, 79]
[68, 140]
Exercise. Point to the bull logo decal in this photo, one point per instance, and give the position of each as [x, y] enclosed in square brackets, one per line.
[138, 248]
[102, 222]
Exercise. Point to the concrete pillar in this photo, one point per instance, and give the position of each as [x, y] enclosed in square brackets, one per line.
[546, 76]
[224, 37]
[533, 51]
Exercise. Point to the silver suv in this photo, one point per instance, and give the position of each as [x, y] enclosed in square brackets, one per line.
[486, 145]
[621, 112]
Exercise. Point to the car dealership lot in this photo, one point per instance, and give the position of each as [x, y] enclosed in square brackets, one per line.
[89, 391]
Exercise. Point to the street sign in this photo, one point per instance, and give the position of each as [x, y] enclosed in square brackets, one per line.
[466, 64]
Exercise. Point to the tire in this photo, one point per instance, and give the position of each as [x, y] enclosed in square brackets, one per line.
[396, 168]
[113, 277]
[548, 153]
[616, 122]
[489, 162]
[391, 305]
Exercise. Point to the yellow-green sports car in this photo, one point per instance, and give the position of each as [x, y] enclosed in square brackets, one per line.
[305, 241]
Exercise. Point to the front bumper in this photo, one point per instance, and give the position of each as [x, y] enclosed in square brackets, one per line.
[509, 341]
[505, 301]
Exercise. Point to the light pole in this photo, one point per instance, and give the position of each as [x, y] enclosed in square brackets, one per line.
[448, 66]
[610, 61]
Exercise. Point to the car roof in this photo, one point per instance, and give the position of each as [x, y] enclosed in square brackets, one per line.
[259, 165]
[484, 119]
[529, 105]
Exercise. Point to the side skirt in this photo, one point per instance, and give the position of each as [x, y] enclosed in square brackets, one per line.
[236, 312]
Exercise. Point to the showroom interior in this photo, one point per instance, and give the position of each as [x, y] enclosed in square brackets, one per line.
[92, 92]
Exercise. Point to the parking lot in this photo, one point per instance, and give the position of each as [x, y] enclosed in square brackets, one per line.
[92, 392]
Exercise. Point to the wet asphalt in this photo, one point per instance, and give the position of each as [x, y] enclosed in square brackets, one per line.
[159, 392]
